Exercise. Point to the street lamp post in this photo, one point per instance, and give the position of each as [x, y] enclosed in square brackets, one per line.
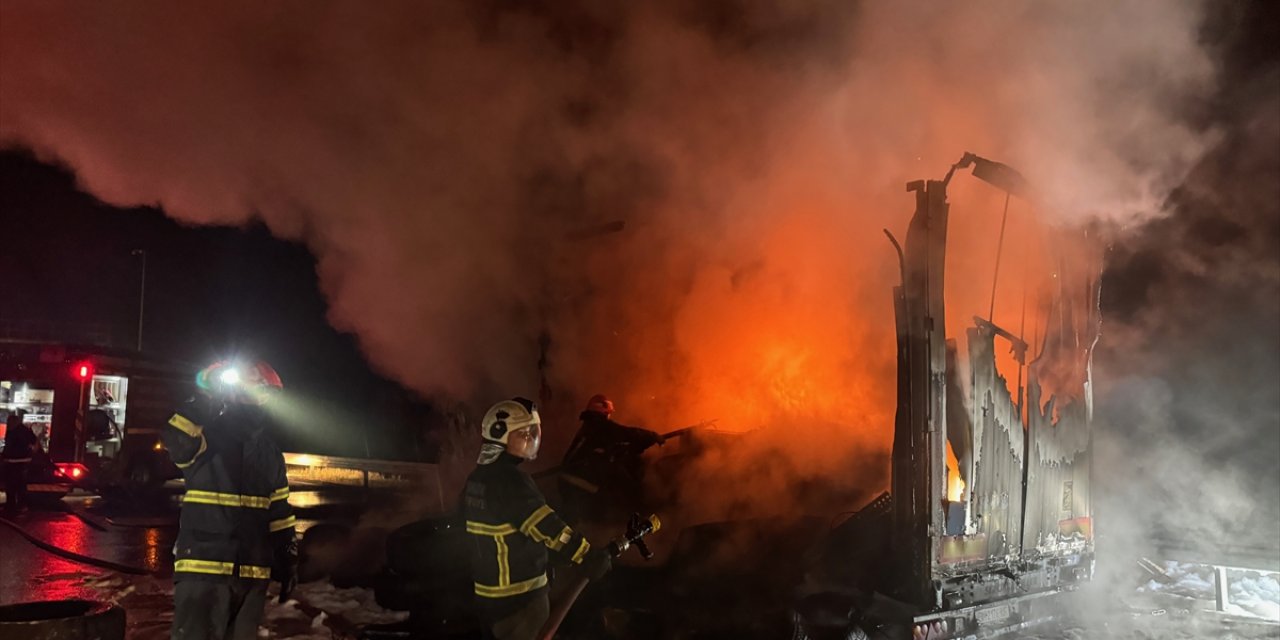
[142, 292]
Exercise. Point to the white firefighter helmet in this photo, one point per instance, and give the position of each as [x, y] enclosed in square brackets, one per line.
[502, 420]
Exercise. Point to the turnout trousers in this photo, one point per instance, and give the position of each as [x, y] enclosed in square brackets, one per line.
[218, 610]
[15, 484]
[525, 623]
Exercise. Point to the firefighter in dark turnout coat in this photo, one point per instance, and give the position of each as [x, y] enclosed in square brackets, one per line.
[513, 529]
[20, 446]
[602, 469]
[236, 530]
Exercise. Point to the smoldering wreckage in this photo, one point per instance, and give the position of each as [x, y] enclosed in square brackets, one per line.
[987, 529]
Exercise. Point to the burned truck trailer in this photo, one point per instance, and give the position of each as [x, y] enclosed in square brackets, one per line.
[989, 560]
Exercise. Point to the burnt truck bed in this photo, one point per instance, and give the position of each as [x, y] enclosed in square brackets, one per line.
[987, 558]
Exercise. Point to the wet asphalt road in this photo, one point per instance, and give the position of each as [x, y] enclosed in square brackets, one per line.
[28, 573]
[143, 540]
[146, 541]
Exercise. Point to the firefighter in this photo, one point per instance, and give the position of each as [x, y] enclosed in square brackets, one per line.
[20, 444]
[603, 461]
[236, 530]
[512, 528]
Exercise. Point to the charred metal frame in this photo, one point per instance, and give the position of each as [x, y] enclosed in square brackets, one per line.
[989, 563]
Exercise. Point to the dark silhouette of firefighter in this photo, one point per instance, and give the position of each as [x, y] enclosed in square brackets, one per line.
[236, 530]
[512, 528]
[603, 467]
[20, 447]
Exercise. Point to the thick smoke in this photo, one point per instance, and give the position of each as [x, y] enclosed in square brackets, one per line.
[457, 168]
[1189, 429]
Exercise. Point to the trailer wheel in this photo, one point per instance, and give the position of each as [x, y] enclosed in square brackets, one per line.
[62, 620]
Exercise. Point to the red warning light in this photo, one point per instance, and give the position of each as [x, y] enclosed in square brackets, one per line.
[72, 470]
[84, 371]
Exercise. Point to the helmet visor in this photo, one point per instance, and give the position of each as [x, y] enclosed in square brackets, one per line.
[526, 442]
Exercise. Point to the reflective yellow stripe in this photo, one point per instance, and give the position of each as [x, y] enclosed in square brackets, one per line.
[204, 566]
[251, 571]
[489, 529]
[518, 588]
[226, 499]
[186, 426]
[563, 538]
[581, 552]
[282, 524]
[280, 494]
[504, 568]
[531, 523]
[216, 568]
[204, 444]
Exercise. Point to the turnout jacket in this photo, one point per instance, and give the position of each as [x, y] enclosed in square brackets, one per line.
[20, 442]
[236, 508]
[593, 461]
[512, 529]
[598, 434]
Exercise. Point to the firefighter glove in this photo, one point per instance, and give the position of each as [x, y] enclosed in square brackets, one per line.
[597, 563]
[285, 567]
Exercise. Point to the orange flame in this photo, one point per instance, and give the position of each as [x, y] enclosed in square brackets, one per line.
[955, 486]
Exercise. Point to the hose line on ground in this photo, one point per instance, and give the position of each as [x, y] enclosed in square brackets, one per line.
[71, 555]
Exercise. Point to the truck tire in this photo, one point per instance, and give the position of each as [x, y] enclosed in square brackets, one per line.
[62, 620]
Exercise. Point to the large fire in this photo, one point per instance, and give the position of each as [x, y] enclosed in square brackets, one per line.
[791, 335]
[800, 337]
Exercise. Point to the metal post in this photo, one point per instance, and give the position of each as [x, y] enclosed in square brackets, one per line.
[995, 278]
[79, 425]
[142, 292]
[1221, 588]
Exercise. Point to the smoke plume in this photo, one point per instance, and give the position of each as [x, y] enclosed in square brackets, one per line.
[1189, 417]
[681, 204]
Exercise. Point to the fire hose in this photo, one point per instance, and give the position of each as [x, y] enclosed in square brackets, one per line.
[637, 529]
[71, 555]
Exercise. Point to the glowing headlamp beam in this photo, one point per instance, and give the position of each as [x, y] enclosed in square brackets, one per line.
[230, 377]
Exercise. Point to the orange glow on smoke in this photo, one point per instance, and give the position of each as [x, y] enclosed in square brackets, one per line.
[784, 327]
[778, 344]
[806, 331]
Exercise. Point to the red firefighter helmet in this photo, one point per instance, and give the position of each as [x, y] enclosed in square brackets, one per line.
[599, 403]
[265, 375]
[246, 383]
